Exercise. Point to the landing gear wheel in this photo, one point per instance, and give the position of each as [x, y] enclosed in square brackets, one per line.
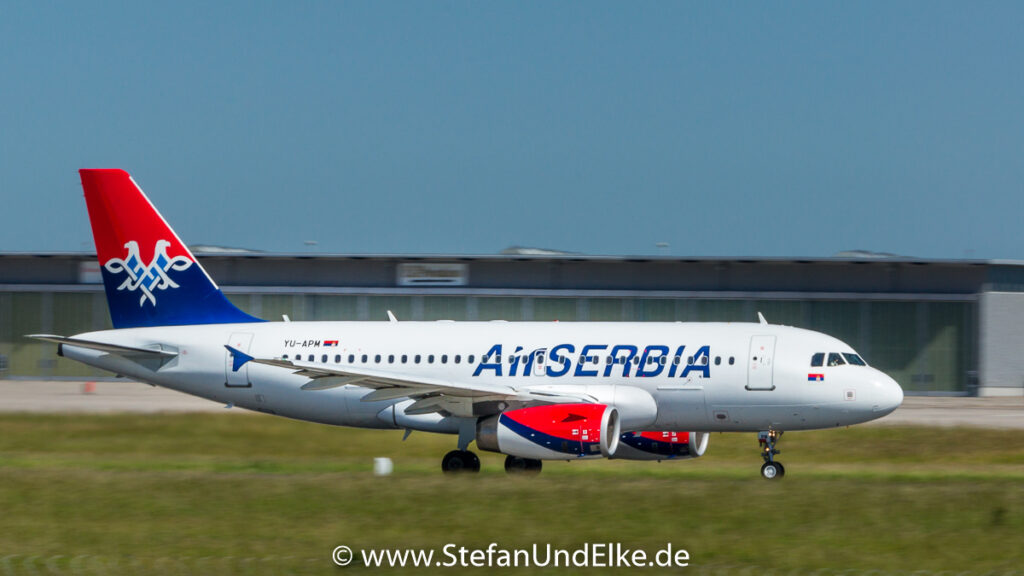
[772, 470]
[458, 461]
[518, 466]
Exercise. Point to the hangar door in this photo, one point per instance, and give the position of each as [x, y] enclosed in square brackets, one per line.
[760, 362]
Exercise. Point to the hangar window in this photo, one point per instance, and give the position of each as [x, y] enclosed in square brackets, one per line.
[818, 359]
[854, 359]
[835, 359]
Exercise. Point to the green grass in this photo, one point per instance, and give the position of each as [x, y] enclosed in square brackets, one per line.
[253, 494]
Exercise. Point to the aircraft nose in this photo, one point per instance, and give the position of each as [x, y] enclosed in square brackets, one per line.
[888, 395]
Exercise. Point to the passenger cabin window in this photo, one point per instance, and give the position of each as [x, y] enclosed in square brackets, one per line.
[324, 358]
[458, 358]
[363, 359]
[416, 359]
[376, 359]
[405, 358]
[732, 360]
[835, 359]
[351, 358]
[818, 359]
[337, 358]
[391, 358]
[854, 359]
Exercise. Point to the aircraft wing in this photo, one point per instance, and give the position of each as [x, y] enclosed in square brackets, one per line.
[390, 385]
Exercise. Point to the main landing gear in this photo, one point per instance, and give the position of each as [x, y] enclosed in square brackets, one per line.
[458, 461]
[515, 465]
[771, 469]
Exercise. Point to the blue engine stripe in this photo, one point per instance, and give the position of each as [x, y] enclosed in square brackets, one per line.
[668, 449]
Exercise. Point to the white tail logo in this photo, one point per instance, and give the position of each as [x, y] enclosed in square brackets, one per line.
[147, 278]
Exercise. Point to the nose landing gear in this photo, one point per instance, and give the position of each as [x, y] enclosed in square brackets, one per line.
[771, 469]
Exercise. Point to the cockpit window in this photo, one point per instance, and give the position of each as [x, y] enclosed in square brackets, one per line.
[818, 359]
[854, 359]
[835, 359]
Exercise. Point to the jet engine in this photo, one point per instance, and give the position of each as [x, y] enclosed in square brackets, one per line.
[661, 445]
[552, 432]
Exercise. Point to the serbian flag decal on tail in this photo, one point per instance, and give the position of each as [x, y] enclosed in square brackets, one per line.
[815, 377]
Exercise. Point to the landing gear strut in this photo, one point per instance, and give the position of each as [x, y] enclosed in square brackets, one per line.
[517, 465]
[771, 469]
[458, 461]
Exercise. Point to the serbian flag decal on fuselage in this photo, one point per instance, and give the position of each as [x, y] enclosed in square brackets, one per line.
[815, 377]
[330, 343]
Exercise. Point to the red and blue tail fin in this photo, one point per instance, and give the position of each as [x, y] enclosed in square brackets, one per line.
[151, 277]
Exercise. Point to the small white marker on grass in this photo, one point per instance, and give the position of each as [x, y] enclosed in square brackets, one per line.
[382, 466]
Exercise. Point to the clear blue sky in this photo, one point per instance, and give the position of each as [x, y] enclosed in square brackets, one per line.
[723, 129]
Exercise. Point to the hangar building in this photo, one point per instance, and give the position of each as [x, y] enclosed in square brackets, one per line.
[936, 326]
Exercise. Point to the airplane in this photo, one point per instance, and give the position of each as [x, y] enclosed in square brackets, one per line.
[532, 391]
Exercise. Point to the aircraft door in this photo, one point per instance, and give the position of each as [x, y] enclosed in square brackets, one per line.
[760, 362]
[540, 361]
[237, 378]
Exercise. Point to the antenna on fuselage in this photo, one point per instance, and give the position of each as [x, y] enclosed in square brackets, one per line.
[761, 319]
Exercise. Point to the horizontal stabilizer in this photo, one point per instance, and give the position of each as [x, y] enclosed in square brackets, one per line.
[102, 346]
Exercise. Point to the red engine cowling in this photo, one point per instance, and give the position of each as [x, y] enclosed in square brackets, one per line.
[661, 445]
[555, 432]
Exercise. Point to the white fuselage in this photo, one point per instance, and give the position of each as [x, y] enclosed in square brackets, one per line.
[728, 376]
